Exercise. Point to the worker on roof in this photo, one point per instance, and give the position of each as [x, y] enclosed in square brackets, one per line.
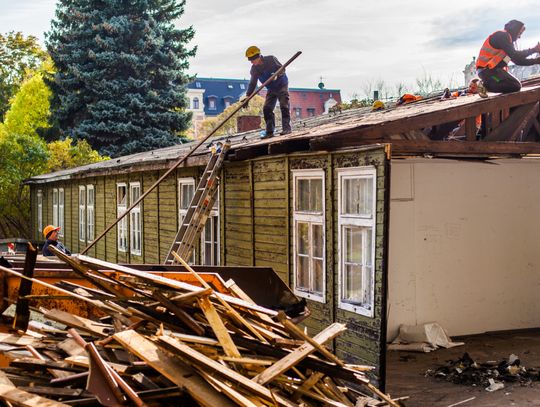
[492, 63]
[262, 68]
[50, 232]
[408, 98]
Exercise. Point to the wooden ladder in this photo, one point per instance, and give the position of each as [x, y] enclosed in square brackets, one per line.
[203, 200]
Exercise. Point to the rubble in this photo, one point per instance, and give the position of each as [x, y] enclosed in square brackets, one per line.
[172, 343]
[490, 375]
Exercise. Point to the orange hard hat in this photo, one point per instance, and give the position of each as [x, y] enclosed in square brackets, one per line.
[48, 229]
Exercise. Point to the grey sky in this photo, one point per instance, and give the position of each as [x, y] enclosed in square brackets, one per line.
[349, 43]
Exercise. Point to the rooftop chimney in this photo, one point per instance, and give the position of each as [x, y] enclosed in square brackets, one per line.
[248, 123]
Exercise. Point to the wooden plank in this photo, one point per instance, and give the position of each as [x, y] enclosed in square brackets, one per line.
[297, 355]
[83, 324]
[22, 310]
[510, 129]
[218, 327]
[483, 148]
[218, 369]
[180, 313]
[25, 399]
[171, 367]
[470, 128]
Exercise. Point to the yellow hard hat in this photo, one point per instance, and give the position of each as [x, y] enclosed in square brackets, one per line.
[378, 105]
[252, 52]
[48, 229]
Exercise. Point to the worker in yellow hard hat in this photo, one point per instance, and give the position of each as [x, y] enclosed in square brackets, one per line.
[262, 68]
[50, 232]
[378, 105]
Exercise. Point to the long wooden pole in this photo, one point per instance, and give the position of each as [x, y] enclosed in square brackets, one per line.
[189, 153]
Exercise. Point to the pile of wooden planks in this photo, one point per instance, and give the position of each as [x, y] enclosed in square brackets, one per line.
[165, 342]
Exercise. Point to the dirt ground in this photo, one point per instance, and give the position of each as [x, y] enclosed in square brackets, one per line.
[406, 372]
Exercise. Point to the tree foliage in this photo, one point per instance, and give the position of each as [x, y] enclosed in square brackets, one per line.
[19, 55]
[120, 81]
[24, 154]
[207, 125]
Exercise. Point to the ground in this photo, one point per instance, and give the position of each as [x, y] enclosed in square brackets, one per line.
[406, 372]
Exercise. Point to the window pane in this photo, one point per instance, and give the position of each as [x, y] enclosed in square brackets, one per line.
[303, 195]
[303, 238]
[316, 195]
[358, 196]
[353, 244]
[302, 274]
[121, 197]
[318, 275]
[318, 240]
[352, 284]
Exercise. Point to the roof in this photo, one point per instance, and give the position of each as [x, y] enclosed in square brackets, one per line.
[404, 127]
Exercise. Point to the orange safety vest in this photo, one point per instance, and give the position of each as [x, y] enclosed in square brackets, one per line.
[490, 57]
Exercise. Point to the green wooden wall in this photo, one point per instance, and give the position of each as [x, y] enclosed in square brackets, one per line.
[256, 218]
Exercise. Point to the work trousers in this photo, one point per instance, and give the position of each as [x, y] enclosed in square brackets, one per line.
[272, 96]
[500, 81]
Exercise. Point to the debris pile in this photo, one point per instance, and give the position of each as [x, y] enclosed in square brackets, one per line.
[490, 374]
[161, 341]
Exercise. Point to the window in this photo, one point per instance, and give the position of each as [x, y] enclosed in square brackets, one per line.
[40, 210]
[121, 207]
[198, 85]
[212, 103]
[90, 212]
[61, 206]
[82, 213]
[242, 86]
[186, 190]
[297, 112]
[55, 207]
[135, 219]
[309, 236]
[356, 222]
[227, 102]
[195, 103]
[210, 238]
[311, 111]
[229, 86]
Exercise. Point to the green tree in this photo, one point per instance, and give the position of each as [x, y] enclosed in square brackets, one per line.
[120, 81]
[255, 108]
[19, 55]
[24, 154]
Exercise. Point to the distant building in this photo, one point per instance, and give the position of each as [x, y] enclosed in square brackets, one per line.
[208, 97]
[470, 71]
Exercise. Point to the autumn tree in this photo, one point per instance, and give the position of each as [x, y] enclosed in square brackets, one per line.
[24, 154]
[255, 108]
[19, 55]
[121, 73]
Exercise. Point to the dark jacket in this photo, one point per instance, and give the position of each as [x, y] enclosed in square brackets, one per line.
[263, 72]
[45, 250]
[500, 40]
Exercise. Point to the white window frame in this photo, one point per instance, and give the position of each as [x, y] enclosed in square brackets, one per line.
[39, 196]
[348, 220]
[90, 212]
[122, 228]
[55, 207]
[182, 212]
[213, 219]
[61, 211]
[82, 213]
[135, 221]
[311, 218]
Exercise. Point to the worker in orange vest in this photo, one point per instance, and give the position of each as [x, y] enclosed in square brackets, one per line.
[496, 52]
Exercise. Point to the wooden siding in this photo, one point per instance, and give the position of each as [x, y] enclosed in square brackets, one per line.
[256, 229]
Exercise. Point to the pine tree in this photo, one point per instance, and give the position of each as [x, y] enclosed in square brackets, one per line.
[120, 81]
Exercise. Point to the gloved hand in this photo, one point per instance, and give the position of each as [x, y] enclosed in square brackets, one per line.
[244, 102]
